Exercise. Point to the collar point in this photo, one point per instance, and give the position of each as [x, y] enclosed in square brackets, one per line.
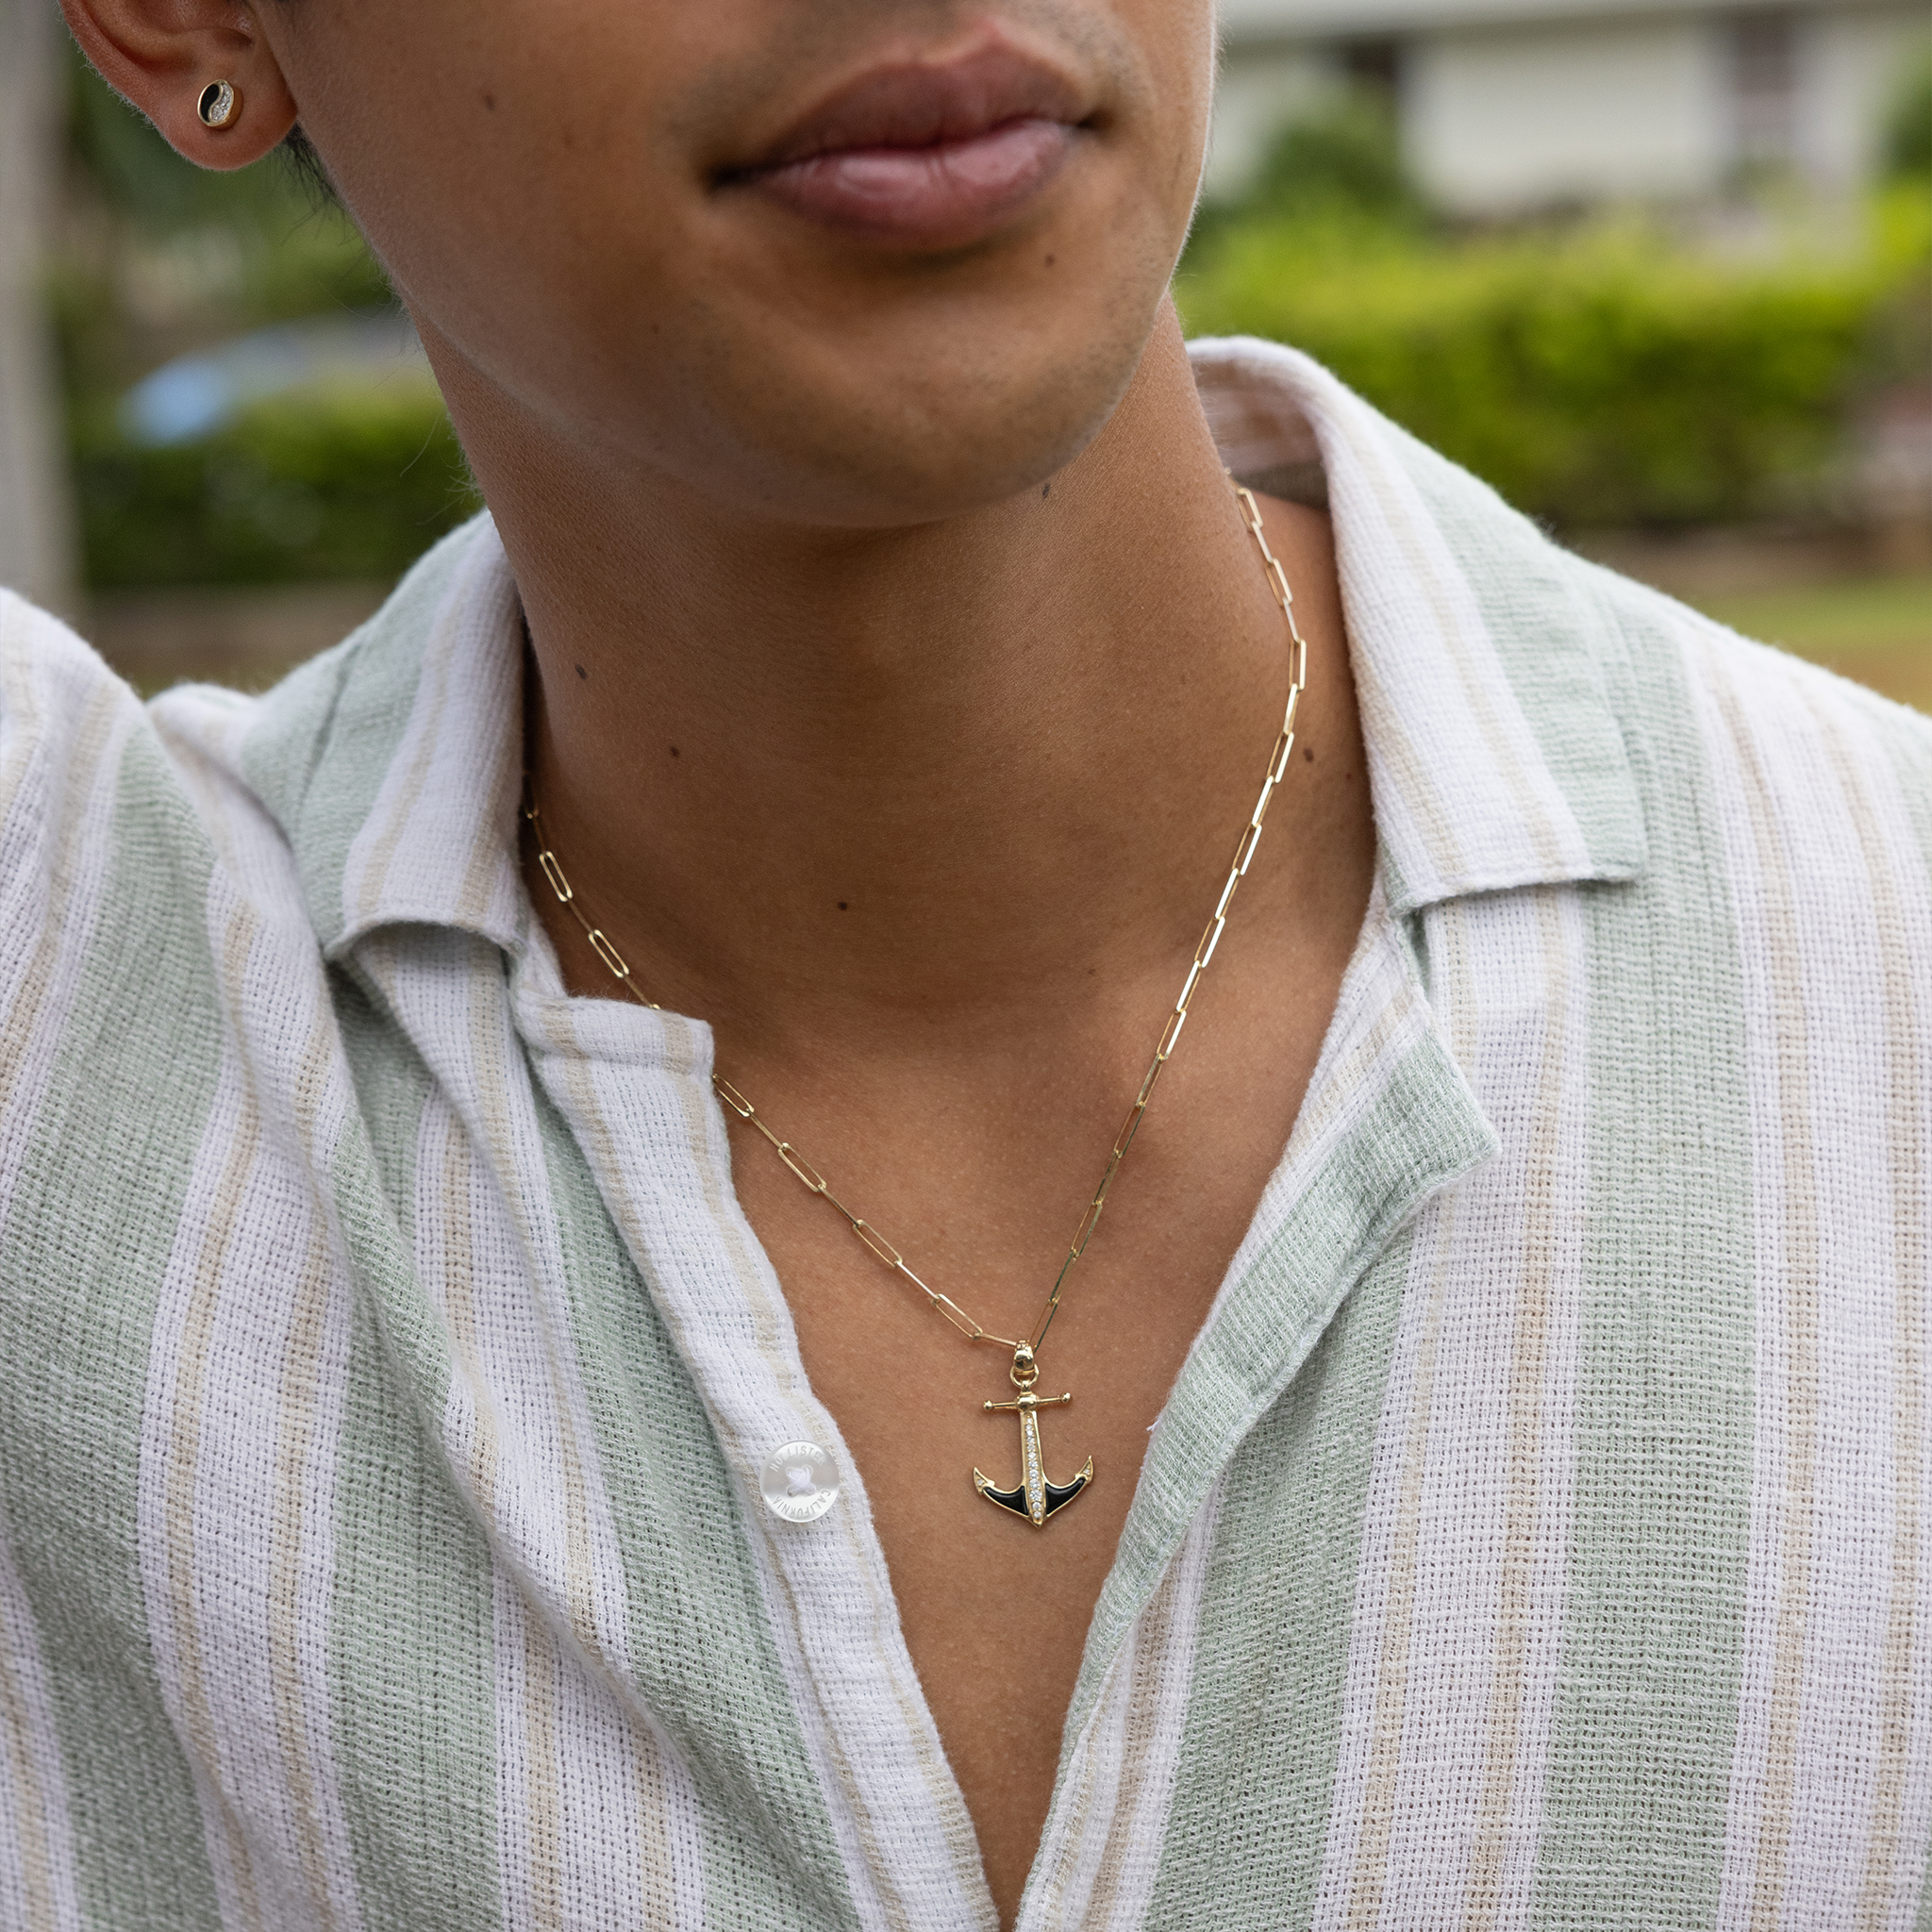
[1408, 896]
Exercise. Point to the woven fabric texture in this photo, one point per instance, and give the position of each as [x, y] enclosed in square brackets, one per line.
[1537, 1535]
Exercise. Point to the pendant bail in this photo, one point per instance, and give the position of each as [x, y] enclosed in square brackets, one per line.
[1025, 1371]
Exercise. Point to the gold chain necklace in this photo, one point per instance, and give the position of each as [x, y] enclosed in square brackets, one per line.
[1035, 1498]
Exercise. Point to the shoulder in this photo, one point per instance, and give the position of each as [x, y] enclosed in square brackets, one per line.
[105, 802]
[1767, 742]
[84, 787]
[64, 718]
[109, 863]
[159, 962]
[1801, 801]
[111, 1032]
[1512, 666]
[148, 894]
[1820, 774]
[201, 782]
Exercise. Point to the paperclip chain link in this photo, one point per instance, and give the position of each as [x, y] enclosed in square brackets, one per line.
[809, 1175]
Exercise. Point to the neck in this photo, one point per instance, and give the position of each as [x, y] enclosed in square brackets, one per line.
[820, 781]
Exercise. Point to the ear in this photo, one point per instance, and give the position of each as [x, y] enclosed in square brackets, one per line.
[161, 53]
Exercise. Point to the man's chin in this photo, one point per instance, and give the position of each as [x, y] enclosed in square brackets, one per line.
[818, 416]
[897, 425]
[914, 453]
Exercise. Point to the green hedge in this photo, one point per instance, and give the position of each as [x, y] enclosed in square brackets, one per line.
[346, 483]
[1598, 378]
[1601, 376]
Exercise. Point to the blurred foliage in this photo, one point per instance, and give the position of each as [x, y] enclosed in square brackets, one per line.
[1596, 372]
[1907, 152]
[326, 483]
[161, 258]
[1343, 160]
[1340, 163]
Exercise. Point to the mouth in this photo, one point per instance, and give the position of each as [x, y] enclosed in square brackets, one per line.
[924, 155]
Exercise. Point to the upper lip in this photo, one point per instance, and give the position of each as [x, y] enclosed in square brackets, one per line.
[914, 103]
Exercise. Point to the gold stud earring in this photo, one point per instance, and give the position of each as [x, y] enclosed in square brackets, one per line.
[218, 104]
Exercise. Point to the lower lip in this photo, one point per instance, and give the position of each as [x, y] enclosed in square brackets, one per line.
[948, 196]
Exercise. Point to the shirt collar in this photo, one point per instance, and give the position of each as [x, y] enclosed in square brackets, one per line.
[394, 762]
[1495, 758]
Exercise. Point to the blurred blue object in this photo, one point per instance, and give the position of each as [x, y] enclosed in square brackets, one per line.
[196, 394]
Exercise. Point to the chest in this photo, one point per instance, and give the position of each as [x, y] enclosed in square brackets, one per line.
[1489, 1520]
[947, 1435]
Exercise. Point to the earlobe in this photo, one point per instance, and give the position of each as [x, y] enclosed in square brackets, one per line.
[200, 70]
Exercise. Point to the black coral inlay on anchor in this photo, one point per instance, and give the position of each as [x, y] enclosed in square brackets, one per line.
[1035, 1499]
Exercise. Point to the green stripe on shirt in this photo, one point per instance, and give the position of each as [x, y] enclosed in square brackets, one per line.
[1264, 1719]
[92, 1223]
[1645, 1718]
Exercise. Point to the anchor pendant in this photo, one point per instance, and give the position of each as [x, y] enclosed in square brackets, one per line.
[1035, 1499]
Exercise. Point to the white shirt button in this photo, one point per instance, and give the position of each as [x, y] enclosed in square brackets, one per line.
[799, 1482]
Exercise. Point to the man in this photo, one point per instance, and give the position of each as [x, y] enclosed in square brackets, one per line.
[459, 1466]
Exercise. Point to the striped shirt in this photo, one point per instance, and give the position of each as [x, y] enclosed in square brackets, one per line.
[1537, 1536]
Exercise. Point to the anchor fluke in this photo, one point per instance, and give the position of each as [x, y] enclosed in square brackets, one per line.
[1054, 1496]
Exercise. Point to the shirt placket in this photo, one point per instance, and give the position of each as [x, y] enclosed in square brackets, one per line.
[1388, 1123]
[635, 1089]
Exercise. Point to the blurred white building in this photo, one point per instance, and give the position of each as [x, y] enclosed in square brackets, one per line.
[1512, 104]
